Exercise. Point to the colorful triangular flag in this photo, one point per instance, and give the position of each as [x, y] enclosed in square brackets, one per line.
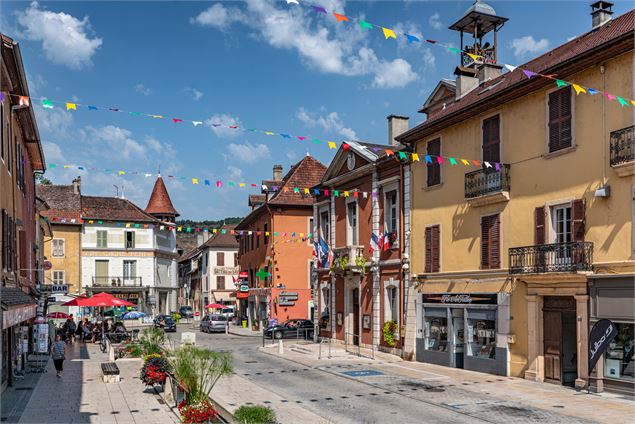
[389, 33]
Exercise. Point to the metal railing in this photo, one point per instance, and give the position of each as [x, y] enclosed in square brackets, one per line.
[351, 252]
[117, 281]
[486, 181]
[357, 337]
[554, 257]
[623, 146]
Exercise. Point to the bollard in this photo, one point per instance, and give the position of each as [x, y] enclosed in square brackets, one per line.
[227, 328]
[280, 347]
[111, 353]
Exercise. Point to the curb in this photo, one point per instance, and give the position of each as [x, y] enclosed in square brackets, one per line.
[245, 335]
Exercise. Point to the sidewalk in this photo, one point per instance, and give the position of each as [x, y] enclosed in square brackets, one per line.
[599, 407]
[240, 331]
[81, 396]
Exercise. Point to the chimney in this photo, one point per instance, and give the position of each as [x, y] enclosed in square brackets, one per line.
[277, 172]
[466, 80]
[489, 71]
[77, 185]
[396, 125]
[600, 13]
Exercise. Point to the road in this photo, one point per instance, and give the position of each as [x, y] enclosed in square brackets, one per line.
[356, 393]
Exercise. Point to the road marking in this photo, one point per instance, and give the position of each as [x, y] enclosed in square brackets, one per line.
[362, 373]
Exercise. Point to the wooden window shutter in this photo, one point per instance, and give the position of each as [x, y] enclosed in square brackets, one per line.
[428, 242]
[485, 242]
[494, 245]
[540, 225]
[434, 168]
[560, 135]
[491, 139]
[436, 248]
[578, 212]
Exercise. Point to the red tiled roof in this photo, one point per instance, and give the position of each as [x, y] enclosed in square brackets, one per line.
[590, 43]
[63, 203]
[222, 240]
[160, 203]
[304, 174]
[186, 256]
[113, 208]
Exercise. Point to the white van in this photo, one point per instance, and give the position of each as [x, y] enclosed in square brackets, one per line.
[228, 312]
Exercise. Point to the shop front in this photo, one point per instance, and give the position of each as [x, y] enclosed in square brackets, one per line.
[17, 309]
[258, 309]
[613, 298]
[460, 330]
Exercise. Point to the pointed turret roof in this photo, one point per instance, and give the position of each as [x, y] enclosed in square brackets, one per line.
[160, 203]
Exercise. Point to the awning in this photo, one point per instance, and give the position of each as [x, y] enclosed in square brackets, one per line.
[17, 306]
[465, 286]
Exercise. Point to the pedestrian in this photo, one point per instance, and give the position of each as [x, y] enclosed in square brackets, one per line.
[59, 354]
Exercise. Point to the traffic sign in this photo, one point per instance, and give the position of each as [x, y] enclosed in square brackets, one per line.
[47, 265]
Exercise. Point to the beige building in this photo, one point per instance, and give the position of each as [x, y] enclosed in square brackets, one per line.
[504, 256]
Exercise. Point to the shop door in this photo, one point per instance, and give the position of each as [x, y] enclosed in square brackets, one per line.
[356, 336]
[553, 345]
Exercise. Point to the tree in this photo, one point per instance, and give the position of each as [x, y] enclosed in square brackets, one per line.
[42, 180]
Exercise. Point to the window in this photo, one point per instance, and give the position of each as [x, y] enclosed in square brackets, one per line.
[57, 248]
[235, 259]
[2, 121]
[58, 277]
[351, 224]
[560, 129]
[432, 248]
[435, 329]
[491, 139]
[561, 223]
[102, 238]
[130, 238]
[325, 229]
[266, 242]
[391, 307]
[619, 361]
[220, 282]
[481, 334]
[129, 272]
[101, 272]
[391, 212]
[434, 168]
[490, 242]
[220, 258]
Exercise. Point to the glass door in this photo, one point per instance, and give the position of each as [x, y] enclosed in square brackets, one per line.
[129, 273]
[458, 339]
[562, 236]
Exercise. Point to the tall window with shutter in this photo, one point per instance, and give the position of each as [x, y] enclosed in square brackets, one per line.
[539, 219]
[57, 250]
[491, 139]
[560, 129]
[434, 168]
[432, 241]
[220, 258]
[490, 242]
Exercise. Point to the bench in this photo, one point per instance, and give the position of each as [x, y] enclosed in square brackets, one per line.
[110, 371]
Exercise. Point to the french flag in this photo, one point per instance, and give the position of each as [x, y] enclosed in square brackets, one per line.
[385, 241]
[374, 243]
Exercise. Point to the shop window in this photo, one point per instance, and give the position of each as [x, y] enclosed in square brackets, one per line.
[102, 238]
[618, 360]
[436, 331]
[481, 334]
[58, 248]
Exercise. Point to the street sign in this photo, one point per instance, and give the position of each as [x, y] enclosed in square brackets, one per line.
[59, 288]
[47, 265]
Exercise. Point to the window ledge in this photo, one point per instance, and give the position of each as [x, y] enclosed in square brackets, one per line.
[560, 152]
[434, 187]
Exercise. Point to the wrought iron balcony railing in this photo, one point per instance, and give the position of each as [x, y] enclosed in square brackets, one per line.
[486, 181]
[116, 281]
[347, 257]
[623, 146]
[554, 257]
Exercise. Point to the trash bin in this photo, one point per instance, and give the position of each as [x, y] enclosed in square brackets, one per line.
[244, 323]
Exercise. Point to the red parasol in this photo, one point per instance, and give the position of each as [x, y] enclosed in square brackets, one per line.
[78, 301]
[58, 315]
[214, 306]
[106, 299]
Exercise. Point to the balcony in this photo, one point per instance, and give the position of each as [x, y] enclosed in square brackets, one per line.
[555, 257]
[117, 282]
[346, 259]
[487, 186]
[623, 151]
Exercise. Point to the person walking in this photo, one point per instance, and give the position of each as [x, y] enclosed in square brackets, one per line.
[59, 354]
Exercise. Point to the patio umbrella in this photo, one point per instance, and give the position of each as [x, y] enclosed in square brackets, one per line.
[214, 306]
[105, 299]
[58, 315]
[114, 312]
[133, 315]
[78, 301]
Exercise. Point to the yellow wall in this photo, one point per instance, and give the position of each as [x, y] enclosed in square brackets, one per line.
[71, 262]
[535, 179]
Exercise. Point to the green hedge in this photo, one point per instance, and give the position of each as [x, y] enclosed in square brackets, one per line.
[255, 415]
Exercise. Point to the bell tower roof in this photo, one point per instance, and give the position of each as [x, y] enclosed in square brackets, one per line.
[160, 203]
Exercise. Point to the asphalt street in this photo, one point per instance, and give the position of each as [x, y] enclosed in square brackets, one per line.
[359, 393]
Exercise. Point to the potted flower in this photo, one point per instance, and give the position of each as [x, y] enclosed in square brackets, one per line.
[197, 412]
[154, 370]
[390, 327]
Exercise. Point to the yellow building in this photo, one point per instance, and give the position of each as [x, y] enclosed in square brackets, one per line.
[515, 258]
[64, 250]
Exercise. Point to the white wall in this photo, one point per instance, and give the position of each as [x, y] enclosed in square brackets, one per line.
[145, 268]
[210, 261]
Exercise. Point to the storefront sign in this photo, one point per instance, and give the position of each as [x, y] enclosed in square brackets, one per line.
[461, 298]
[244, 287]
[242, 295]
[126, 295]
[289, 295]
[601, 336]
[17, 314]
[226, 270]
[54, 288]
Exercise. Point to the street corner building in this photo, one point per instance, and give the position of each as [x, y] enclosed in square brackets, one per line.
[513, 264]
[361, 214]
[22, 231]
[278, 266]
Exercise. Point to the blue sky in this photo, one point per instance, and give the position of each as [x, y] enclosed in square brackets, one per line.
[260, 64]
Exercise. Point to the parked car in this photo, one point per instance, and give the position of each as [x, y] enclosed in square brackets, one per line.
[169, 325]
[228, 313]
[186, 312]
[211, 323]
[291, 329]
[158, 318]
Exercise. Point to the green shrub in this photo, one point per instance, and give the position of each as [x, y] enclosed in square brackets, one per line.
[176, 317]
[389, 332]
[255, 415]
[152, 341]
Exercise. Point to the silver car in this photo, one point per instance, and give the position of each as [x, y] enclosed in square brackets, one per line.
[212, 323]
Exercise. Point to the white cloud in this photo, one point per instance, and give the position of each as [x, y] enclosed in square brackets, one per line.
[248, 153]
[196, 94]
[527, 45]
[328, 121]
[64, 38]
[435, 22]
[329, 48]
[140, 88]
[219, 17]
[54, 123]
[53, 152]
[397, 73]
[111, 140]
[219, 123]
[235, 173]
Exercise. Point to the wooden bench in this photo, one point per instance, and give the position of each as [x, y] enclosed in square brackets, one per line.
[110, 371]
